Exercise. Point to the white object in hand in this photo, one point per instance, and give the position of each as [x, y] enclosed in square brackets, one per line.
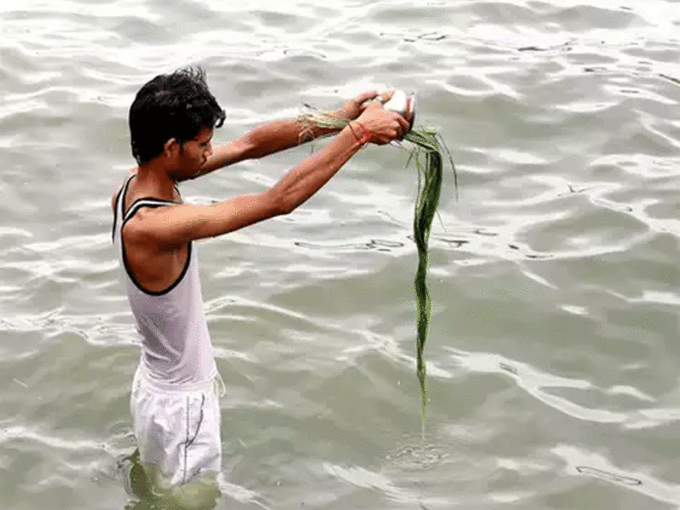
[404, 104]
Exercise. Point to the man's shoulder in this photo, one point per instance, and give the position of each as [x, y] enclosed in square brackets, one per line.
[147, 223]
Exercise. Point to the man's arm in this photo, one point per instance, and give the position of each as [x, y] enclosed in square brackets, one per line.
[278, 136]
[169, 227]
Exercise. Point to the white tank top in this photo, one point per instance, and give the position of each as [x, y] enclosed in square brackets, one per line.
[176, 346]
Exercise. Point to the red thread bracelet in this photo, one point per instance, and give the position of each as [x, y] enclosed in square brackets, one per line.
[366, 136]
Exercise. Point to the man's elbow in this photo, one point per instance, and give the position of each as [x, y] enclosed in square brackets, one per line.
[281, 202]
[247, 148]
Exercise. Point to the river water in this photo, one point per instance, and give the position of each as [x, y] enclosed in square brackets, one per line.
[553, 355]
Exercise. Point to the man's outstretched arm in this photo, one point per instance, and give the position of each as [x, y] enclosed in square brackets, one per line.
[277, 136]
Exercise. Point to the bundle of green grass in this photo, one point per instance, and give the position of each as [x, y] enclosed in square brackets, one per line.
[428, 151]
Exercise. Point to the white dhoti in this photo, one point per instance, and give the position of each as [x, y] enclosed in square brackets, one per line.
[177, 430]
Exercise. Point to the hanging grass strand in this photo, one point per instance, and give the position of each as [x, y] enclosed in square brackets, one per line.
[429, 190]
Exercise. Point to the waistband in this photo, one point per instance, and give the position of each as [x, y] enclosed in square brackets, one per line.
[213, 383]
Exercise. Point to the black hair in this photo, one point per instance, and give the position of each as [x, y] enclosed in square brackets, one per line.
[175, 105]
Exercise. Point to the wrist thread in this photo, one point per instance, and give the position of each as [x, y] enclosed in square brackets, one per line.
[365, 133]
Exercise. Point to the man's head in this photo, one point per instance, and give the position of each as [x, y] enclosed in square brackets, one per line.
[171, 106]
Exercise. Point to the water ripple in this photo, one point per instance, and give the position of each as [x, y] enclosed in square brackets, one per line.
[553, 276]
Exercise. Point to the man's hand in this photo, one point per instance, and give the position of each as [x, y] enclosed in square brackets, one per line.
[355, 107]
[382, 125]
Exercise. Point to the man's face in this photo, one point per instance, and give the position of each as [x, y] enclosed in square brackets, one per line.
[194, 153]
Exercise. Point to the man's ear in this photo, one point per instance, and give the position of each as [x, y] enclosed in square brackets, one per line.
[170, 146]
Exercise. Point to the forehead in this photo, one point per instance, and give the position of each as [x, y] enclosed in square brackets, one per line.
[204, 134]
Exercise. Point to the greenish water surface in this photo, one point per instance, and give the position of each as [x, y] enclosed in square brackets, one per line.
[553, 353]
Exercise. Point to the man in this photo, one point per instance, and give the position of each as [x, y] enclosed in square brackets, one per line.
[174, 402]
